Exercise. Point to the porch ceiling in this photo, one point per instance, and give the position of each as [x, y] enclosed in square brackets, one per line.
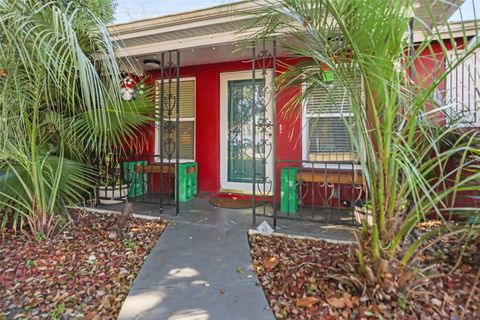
[211, 35]
[206, 55]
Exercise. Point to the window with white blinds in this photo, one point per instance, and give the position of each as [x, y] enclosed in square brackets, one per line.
[462, 90]
[187, 117]
[327, 114]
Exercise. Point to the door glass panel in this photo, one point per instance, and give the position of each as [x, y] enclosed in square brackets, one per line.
[240, 138]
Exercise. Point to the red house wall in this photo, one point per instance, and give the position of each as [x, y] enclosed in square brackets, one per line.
[289, 126]
[207, 151]
[427, 68]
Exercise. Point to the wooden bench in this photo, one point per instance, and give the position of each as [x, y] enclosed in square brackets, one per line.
[157, 168]
[329, 178]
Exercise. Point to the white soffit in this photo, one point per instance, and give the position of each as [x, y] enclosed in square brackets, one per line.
[438, 11]
[220, 25]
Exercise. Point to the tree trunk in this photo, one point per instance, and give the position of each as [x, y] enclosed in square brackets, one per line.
[116, 231]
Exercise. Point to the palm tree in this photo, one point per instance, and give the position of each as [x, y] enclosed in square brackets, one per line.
[60, 103]
[402, 151]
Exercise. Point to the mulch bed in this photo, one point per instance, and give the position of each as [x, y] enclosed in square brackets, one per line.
[300, 280]
[79, 273]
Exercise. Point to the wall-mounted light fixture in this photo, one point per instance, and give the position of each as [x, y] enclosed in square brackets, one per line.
[151, 64]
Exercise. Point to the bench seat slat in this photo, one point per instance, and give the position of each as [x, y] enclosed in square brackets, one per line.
[330, 178]
[155, 168]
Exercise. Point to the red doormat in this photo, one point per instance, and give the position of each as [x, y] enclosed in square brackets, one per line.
[230, 203]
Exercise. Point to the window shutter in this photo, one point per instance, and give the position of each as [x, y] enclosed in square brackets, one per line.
[333, 98]
[187, 97]
[328, 113]
[328, 134]
[187, 139]
[187, 117]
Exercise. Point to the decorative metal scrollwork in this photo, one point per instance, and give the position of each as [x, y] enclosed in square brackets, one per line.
[169, 127]
[263, 109]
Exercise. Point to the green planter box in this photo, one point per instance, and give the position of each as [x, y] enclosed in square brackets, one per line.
[138, 181]
[187, 181]
[289, 190]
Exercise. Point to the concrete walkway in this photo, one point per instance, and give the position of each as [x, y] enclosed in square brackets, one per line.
[197, 271]
[201, 269]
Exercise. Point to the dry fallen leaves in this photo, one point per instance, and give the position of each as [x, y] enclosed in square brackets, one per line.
[310, 270]
[307, 302]
[79, 273]
[338, 303]
[270, 262]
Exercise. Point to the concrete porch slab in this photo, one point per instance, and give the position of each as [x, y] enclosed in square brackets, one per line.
[200, 211]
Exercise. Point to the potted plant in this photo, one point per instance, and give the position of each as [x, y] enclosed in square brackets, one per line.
[114, 184]
[363, 213]
[112, 187]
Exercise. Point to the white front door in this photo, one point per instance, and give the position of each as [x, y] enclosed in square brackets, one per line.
[236, 130]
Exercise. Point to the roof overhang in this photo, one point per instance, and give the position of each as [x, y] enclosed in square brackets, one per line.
[207, 27]
[454, 30]
[218, 28]
[437, 11]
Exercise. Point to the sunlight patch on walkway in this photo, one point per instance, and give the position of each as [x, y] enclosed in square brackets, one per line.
[138, 303]
[190, 314]
[183, 273]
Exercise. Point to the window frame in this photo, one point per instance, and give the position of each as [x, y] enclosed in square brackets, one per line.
[330, 164]
[194, 119]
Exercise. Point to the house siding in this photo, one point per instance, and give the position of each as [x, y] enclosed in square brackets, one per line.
[427, 67]
[207, 137]
[289, 124]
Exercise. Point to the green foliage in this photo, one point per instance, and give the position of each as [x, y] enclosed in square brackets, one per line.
[58, 312]
[129, 243]
[60, 106]
[30, 264]
[405, 155]
[104, 10]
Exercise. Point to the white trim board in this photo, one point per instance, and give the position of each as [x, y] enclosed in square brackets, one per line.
[245, 188]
